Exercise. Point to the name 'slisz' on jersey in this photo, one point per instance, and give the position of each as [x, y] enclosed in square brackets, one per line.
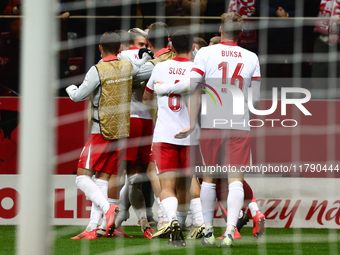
[178, 71]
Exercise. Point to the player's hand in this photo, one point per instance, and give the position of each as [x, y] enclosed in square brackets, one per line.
[184, 133]
[144, 50]
[158, 82]
[71, 88]
[157, 87]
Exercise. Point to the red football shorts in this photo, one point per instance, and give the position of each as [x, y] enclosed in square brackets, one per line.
[131, 143]
[145, 142]
[172, 157]
[100, 155]
[225, 146]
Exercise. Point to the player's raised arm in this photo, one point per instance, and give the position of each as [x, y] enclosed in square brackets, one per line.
[90, 83]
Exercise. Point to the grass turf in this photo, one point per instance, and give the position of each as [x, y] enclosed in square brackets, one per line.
[274, 241]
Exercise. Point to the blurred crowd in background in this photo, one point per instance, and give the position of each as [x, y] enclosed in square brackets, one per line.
[298, 28]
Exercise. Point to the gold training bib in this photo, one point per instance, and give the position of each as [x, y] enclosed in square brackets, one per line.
[114, 103]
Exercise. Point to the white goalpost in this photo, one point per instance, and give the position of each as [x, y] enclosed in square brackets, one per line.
[282, 196]
[37, 128]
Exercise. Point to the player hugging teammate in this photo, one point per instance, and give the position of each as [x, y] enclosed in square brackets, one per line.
[177, 143]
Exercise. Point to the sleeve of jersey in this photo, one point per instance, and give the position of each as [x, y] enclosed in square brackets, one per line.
[256, 84]
[149, 86]
[186, 85]
[257, 73]
[143, 73]
[90, 83]
[135, 65]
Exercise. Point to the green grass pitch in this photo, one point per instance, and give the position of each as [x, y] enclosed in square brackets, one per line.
[274, 241]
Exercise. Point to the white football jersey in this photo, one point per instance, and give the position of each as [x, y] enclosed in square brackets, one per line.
[222, 65]
[172, 114]
[138, 109]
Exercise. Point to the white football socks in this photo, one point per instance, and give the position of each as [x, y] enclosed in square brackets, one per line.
[189, 219]
[253, 207]
[208, 197]
[196, 209]
[137, 199]
[124, 204]
[92, 191]
[235, 203]
[170, 205]
[96, 211]
[113, 201]
[181, 217]
[161, 214]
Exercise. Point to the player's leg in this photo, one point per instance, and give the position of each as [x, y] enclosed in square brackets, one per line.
[208, 199]
[124, 204]
[168, 195]
[166, 158]
[210, 144]
[144, 151]
[183, 207]
[90, 230]
[156, 187]
[183, 183]
[183, 204]
[94, 193]
[258, 216]
[96, 212]
[94, 156]
[110, 173]
[134, 178]
[198, 227]
[237, 154]
[222, 195]
[149, 197]
[112, 191]
[137, 201]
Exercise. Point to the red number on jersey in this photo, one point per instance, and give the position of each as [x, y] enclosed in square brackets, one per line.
[236, 75]
[174, 101]
[224, 67]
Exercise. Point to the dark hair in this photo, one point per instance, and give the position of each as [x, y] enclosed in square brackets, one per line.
[158, 35]
[110, 42]
[182, 41]
[200, 42]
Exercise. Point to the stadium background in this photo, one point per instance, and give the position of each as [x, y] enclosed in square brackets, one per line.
[296, 200]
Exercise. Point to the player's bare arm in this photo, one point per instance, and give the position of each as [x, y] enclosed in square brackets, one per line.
[147, 98]
[194, 103]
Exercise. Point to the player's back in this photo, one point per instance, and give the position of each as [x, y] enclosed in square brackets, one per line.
[226, 64]
[228, 60]
[172, 115]
[131, 54]
[138, 109]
